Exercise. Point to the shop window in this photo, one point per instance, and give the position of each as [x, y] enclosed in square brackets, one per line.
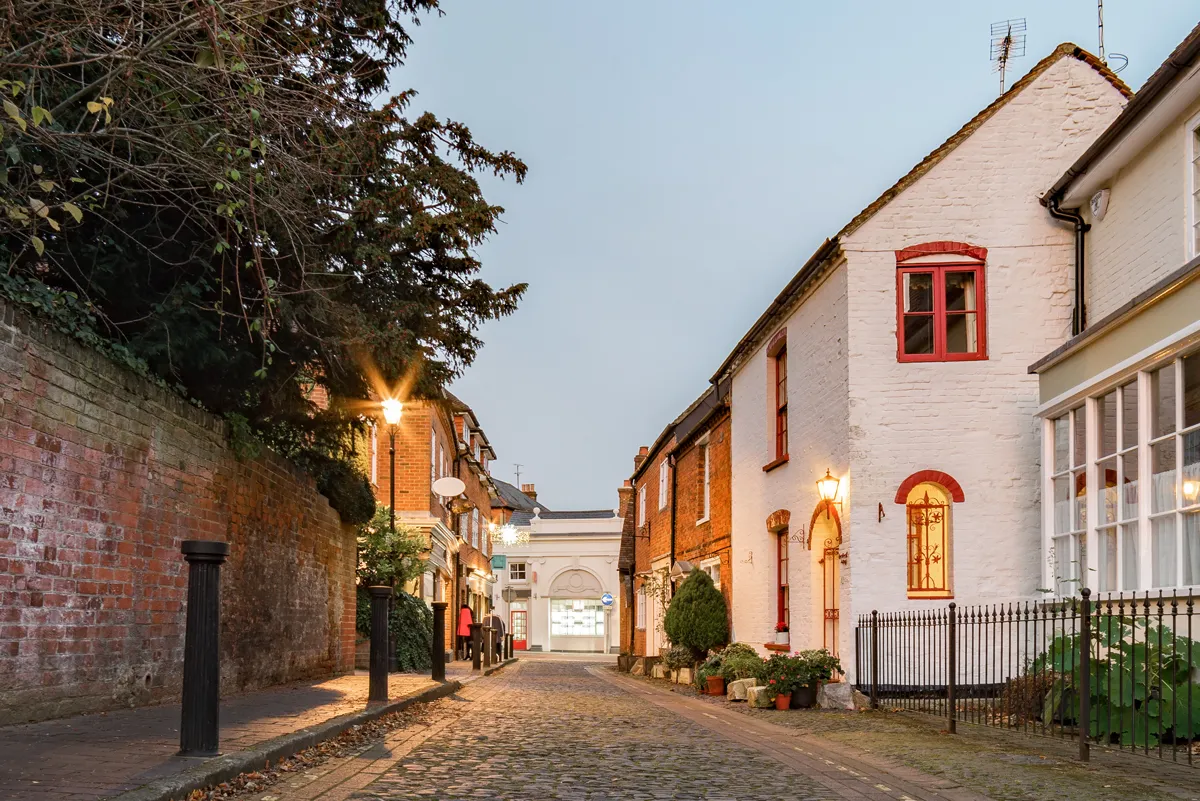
[576, 618]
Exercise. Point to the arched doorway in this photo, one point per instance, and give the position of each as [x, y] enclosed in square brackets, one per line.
[577, 615]
[825, 541]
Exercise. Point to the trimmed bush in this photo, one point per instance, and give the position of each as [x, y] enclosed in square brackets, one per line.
[697, 618]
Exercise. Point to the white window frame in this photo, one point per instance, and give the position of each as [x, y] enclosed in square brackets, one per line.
[512, 572]
[1192, 215]
[706, 499]
[662, 485]
[641, 521]
[1183, 506]
[641, 609]
[713, 568]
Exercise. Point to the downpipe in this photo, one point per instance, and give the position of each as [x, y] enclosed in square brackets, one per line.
[1079, 311]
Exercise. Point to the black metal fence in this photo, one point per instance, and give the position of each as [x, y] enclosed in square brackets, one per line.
[1123, 670]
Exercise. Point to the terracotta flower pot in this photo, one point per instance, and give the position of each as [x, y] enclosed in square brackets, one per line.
[783, 701]
[716, 685]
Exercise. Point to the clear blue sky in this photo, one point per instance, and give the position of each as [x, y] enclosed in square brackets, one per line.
[685, 158]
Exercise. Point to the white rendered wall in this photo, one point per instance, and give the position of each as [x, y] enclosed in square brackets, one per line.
[1144, 235]
[853, 408]
[817, 436]
[973, 420]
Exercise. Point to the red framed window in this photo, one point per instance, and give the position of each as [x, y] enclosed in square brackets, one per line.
[781, 412]
[940, 312]
[781, 580]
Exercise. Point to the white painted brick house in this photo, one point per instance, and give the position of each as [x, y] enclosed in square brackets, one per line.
[1120, 400]
[930, 434]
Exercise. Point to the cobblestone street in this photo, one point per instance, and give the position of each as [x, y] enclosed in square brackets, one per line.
[558, 732]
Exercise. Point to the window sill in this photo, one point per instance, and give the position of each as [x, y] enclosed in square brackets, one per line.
[774, 646]
[769, 466]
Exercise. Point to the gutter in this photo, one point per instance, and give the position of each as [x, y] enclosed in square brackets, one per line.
[799, 280]
[1079, 312]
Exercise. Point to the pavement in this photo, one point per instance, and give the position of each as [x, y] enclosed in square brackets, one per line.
[97, 756]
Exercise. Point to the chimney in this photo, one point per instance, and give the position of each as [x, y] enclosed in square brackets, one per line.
[624, 498]
[643, 452]
[530, 491]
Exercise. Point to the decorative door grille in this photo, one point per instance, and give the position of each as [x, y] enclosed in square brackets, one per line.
[927, 562]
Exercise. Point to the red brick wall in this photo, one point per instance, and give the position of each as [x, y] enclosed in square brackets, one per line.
[102, 475]
[696, 542]
[653, 532]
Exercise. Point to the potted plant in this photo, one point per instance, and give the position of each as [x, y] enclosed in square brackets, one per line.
[783, 674]
[709, 679]
[819, 667]
[781, 634]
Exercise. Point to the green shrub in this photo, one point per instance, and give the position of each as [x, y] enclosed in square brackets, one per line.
[741, 661]
[710, 667]
[820, 664]
[411, 625]
[697, 618]
[677, 657]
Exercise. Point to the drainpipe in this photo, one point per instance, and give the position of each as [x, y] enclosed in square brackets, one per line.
[673, 499]
[1079, 313]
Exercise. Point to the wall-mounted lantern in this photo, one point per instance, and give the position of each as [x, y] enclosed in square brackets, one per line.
[827, 489]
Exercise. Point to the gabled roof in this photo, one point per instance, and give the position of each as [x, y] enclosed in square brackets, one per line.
[832, 247]
[513, 498]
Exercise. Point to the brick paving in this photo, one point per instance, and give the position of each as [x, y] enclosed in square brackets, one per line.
[96, 756]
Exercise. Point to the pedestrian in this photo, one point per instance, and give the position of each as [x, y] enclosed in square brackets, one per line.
[497, 625]
[465, 620]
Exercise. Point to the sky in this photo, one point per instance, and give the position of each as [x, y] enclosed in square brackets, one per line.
[685, 159]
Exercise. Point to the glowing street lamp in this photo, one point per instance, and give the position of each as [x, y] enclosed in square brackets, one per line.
[827, 488]
[392, 410]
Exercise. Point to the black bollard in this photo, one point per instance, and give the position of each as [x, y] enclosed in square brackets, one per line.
[439, 640]
[508, 646]
[488, 631]
[476, 642]
[199, 726]
[378, 688]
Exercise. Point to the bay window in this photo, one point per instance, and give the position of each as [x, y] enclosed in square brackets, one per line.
[1138, 445]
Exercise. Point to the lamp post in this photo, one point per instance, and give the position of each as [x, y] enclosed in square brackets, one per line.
[392, 410]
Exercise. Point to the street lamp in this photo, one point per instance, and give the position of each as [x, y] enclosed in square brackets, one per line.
[392, 410]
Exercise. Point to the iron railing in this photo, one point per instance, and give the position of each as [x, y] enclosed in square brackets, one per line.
[1123, 670]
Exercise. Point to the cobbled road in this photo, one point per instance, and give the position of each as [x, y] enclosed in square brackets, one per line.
[557, 731]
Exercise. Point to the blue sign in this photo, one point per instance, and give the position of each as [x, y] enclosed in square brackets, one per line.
[606, 599]
[499, 562]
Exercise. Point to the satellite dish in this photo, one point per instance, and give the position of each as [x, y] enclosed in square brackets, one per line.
[449, 486]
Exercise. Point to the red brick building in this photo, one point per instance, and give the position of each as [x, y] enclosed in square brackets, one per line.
[679, 520]
[434, 439]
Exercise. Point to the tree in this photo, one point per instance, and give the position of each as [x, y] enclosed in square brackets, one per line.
[386, 557]
[697, 617]
[223, 196]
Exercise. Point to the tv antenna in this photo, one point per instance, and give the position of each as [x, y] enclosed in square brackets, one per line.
[1008, 42]
[1121, 58]
[518, 474]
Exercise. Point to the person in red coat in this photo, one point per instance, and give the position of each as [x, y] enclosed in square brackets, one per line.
[465, 619]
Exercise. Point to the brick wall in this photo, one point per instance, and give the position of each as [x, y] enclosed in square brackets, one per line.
[653, 543]
[103, 475]
[698, 539]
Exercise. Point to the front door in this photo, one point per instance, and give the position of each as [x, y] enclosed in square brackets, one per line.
[519, 625]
